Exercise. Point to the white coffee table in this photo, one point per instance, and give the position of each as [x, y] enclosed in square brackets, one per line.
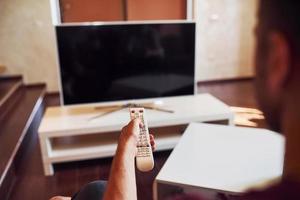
[215, 158]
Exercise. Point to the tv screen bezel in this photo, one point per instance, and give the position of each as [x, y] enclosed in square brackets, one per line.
[125, 101]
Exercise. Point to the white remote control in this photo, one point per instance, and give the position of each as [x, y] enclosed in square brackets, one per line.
[144, 157]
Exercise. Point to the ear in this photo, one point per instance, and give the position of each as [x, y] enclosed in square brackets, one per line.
[278, 62]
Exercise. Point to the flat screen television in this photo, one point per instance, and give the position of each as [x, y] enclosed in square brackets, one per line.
[101, 62]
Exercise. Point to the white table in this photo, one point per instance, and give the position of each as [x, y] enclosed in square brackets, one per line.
[68, 134]
[215, 158]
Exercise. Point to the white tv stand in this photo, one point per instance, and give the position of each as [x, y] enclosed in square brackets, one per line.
[67, 133]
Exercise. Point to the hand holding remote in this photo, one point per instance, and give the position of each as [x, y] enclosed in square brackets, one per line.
[129, 137]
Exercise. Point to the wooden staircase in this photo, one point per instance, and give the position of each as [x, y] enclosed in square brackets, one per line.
[21, 108]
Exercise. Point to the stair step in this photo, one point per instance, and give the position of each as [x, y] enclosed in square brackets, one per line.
[9, 87]
[14, 126]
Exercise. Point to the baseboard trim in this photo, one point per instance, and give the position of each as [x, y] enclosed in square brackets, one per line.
[246, 78]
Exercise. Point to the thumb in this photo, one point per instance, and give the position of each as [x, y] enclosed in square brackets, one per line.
[134, 126]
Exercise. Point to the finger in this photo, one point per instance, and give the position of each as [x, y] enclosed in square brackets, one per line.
[151, 136]
[153, 146]
[124, 129]
[134, 122]
[140, 125]
[152, 143]
[133, 127]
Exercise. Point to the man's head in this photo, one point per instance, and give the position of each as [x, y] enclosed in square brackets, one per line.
[277, 56]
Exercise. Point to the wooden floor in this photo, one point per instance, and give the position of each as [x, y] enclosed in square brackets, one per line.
[69, 177]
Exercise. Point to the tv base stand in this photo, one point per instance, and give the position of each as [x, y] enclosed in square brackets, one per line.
[110, 109]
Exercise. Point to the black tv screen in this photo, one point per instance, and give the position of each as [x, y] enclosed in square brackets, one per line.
[111, 62]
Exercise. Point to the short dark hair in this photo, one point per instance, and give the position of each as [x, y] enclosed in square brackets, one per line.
[282, 16]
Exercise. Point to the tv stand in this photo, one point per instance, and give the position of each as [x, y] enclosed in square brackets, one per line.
[67, 133]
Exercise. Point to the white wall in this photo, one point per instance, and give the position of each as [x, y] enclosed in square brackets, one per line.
[225, 45]
[27, 43]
